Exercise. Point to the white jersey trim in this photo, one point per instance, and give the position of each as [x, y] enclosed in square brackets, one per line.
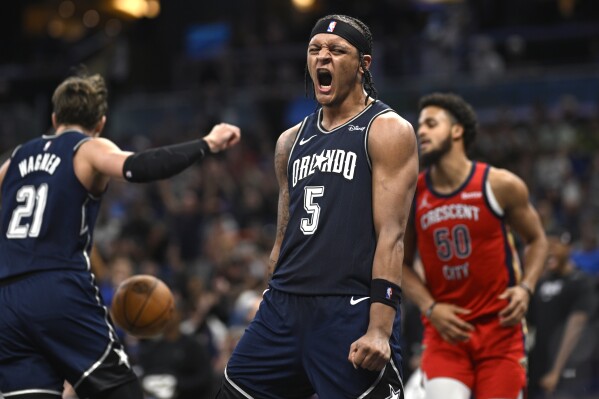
[80, 142]
[297, 137]
[30, 391]
[14, 152]
[319, 124]
[241, 391]
[111, 332]
[493, 203]
[378, 379]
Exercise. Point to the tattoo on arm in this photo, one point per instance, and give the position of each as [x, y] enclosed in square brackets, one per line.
[281, 158]
[283, 219]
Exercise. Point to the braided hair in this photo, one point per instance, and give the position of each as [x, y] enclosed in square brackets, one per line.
[367, 80]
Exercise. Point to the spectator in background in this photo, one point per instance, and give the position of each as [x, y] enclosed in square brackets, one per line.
[586, 255]
[564, 302]
[175, 365]
[119, 269]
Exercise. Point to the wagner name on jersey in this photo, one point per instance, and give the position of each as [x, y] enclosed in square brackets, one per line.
[40, 232]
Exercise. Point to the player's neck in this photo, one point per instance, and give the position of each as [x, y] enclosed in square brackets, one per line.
[450, 173]
[338, 114]
[64, 128]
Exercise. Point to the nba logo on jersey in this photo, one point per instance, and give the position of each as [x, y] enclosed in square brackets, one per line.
[331, 27]
[389, 293]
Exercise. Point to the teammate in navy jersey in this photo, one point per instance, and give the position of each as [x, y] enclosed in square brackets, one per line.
[329, 323]
[53, 324]
[475, 292]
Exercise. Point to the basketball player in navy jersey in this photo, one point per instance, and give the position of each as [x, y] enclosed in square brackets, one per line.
[53, 325]
[329, 323]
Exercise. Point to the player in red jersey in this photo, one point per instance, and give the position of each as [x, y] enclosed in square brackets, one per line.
[475, 293]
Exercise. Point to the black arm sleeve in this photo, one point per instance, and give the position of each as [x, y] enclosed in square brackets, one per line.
[162, 162]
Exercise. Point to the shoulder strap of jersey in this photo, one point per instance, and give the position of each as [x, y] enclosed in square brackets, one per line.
[489, 196]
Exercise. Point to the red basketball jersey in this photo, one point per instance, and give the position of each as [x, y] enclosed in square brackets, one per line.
[468, 255]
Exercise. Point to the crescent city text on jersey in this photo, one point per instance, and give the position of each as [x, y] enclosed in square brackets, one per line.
[449, 212]
[330, 161]
[46, 162]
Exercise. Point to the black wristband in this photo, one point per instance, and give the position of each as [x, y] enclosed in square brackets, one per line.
[162, 162]
[386, 292]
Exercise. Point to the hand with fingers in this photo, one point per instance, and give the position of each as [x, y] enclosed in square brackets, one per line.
[222, 136]
[445, 317]
[518, 299]
[549, 381]
[371, 351]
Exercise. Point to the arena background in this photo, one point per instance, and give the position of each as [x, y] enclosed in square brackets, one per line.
[529, 67]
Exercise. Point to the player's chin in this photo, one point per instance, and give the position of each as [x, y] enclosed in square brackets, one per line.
[424, 147]
[325, 100]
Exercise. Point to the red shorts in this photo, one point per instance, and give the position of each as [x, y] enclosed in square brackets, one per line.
[492, 363]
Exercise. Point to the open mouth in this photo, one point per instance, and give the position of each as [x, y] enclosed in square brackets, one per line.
[324, 78]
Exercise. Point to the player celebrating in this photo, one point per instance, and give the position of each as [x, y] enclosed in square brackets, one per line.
[475, 295]
[329, 323]
[53, 322]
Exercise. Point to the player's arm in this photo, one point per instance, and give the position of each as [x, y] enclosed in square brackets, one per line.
[512, 195]
[445, 317]
[99, 159]
[412, 285]
[393, 152]
[572, 332]
[98, 266]
[282, 152]
[582, 307]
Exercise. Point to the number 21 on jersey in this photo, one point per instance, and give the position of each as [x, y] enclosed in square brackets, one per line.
[32, 202]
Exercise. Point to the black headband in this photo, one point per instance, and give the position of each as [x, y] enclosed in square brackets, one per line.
[344, 30]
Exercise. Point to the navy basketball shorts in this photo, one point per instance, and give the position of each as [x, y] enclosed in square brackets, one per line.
[53, 328]
[298, 345]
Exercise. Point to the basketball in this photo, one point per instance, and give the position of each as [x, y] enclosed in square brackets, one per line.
[142, 305]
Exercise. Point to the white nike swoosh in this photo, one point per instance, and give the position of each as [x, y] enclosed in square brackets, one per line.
[353, 301]
[302, 141]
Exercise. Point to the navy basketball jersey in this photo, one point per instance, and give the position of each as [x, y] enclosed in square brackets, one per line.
[329, 244]
[47, 216]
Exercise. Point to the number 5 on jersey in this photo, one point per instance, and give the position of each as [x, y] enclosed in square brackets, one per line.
[309, 225]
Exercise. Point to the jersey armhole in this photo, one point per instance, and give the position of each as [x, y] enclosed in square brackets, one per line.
[297, 137]
[490, 198]
[14, 152]
[80, 143]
